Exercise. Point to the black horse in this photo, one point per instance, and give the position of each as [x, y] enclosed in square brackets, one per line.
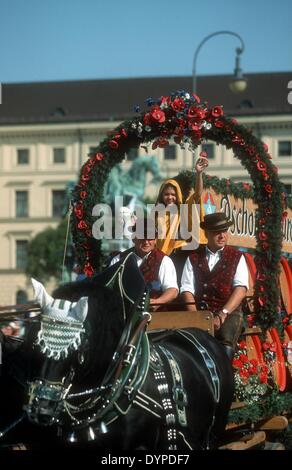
[95, 377]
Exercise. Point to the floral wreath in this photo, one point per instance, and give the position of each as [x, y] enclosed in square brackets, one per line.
[189, 121]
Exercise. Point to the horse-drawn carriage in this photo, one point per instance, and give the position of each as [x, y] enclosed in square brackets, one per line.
[94, 367]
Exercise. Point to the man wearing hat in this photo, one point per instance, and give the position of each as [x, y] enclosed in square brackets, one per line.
[215, 276]
[157, 268]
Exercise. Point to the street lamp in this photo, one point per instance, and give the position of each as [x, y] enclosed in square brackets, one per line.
[238, 83]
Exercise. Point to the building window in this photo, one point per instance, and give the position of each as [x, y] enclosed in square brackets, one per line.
[285, 148]
[170, 152]
[288, 188]
[21, 297]
[209, 148]
[21, 203]
[132, 154]
[22, 156]
[59, 155]
[21, 253]
[58, 203]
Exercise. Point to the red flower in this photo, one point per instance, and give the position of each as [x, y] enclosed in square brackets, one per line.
[88, 269]
[246, 185]
[217, 111]
[99, 156]
[178, 131]
[164, 100]
[196, 136]
[264, 368]
[261, 277]
[268, 188]
[263, 378]
[83, 194]
[265, 245]
[266, 148]
[78, 210]
[265, 176]
[113, 144]
[87, 169]
[261, 166]
[242, 344]
[219, 124]
[195, 112]
[243, 358]
[268, 210]
[262, 301]
[157, 115]
[263, 235]
[250, 150]
[85, 177]
[124, 133]
[237, 364]
[244, 374]
[252, 370]
[194, 124]
[266, 346]
[254, 362]
[147, 119]
[178, 104]
[82, 225]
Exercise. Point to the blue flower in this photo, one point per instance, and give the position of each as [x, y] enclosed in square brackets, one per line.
[137, 108]
[150, 101]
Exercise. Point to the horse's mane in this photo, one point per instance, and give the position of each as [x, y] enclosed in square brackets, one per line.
[104, 322]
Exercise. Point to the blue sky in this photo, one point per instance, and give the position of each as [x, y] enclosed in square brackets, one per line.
[44, 40]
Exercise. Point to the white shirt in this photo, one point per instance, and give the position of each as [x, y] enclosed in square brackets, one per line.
[188, 282]
[166, 274]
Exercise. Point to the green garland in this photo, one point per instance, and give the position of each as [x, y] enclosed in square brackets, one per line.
[184, 118]
[273, 405]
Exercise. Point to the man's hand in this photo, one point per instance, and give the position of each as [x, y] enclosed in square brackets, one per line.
[219, 319]
[153, 308]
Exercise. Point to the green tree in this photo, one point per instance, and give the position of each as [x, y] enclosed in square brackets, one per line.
[45, 253]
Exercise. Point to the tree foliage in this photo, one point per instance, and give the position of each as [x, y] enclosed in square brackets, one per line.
[45, 253]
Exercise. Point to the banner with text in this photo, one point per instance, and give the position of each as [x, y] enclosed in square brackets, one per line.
[242, 213]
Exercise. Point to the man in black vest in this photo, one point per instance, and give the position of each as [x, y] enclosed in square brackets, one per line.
[157, 268]
[216, 278]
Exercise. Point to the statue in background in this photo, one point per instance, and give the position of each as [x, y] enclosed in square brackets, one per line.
[131, 183]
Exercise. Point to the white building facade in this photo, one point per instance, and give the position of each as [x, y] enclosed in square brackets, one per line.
[40, 155]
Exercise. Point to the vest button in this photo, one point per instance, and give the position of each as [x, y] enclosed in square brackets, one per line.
[204, 295]
[205, 285]
[200, 265]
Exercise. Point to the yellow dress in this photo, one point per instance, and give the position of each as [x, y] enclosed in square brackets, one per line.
[172, 223]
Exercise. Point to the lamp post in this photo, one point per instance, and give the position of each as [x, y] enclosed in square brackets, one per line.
[238, 83]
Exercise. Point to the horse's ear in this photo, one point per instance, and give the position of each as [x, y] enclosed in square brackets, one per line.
[40, 293]
[81, 309]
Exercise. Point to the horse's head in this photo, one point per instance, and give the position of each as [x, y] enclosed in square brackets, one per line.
[58, 340]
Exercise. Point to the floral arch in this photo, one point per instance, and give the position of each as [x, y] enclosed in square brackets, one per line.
[189, 121]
